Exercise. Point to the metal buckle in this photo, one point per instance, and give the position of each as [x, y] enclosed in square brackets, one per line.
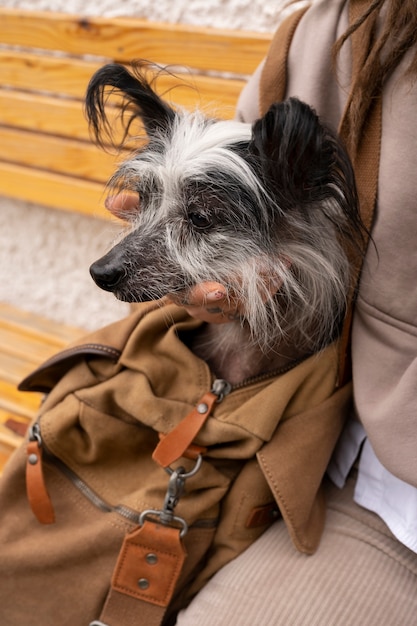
[176, 485]
[173, 518]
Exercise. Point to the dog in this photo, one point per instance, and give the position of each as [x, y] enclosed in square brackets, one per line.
[269, 211]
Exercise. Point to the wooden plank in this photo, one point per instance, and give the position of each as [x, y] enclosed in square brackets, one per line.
[13, 368]
[7, 435]
[126, 39]
[66, 117]
[34, 349]
[52, 190]
[57, 154]
[43, 113]
[5, 453]
[25, 404]
[9, 440]
[70, 76]
[31, 325]
[46, 73]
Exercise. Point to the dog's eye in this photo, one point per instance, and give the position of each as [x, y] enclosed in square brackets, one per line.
[199, 220]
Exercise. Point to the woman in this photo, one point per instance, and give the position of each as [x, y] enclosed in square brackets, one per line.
[365, 570]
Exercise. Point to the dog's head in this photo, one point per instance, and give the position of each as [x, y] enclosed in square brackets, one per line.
[248, 206]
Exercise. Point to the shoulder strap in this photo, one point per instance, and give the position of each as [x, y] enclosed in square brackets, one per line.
[274, 74]
[366, 157]
[365, 161]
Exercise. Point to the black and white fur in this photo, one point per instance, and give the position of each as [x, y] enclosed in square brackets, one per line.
[247, 206]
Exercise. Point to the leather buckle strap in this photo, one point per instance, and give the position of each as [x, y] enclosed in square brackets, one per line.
[36, 490]
[177, 442]
[145, 577]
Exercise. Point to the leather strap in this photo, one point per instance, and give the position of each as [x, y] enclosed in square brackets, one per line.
[37, 493]
[178, 442]
[365, 161]
[274, 74]
[144, 580]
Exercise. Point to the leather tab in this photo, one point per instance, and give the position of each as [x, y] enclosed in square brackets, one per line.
[192, 452]
[176, 443]
[37, 493]
[263, 515]
[150, 563]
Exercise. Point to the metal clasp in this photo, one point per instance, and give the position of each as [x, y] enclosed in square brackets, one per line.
[176, 486]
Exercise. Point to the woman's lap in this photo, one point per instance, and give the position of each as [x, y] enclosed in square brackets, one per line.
[360, 575]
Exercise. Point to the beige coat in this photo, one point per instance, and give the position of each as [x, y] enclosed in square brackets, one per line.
[384, 340]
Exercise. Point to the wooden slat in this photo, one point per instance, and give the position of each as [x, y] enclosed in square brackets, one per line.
[43, 113]
[23, 348]
[70, 76]
[66, 116]
[13, 369]
[34, 349]
[126, 39]
[45, 73]
[8, 438]
[56, 154]
[52, 190]
[24, 404]
[30, 325]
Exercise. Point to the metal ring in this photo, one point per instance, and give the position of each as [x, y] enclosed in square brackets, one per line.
[195, 469]
[184, 475]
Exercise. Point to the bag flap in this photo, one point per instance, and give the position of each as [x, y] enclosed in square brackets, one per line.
[49, 373]
[107, 342]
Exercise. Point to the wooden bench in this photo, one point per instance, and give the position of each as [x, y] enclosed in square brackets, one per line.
[46, 157]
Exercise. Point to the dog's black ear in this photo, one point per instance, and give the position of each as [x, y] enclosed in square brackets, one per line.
[298, 155]
[140, 100]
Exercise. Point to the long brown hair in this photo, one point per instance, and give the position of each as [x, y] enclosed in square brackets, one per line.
[397, 33]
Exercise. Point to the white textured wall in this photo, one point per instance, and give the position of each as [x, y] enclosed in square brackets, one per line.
[258, 15]
[44, 253]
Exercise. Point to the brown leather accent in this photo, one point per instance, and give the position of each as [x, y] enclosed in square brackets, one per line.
[263, 515]
[150, 563]
[192, 452]
[19, 428]
[37, 493]
[274, 75]
[178, 441]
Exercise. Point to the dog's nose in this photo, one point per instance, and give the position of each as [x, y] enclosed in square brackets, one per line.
[106, 276]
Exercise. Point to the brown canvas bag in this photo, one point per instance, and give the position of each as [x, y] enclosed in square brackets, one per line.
[264, 448]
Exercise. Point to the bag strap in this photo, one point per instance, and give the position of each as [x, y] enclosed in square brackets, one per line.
[273, 82]
[365, 160]
[147, 570]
